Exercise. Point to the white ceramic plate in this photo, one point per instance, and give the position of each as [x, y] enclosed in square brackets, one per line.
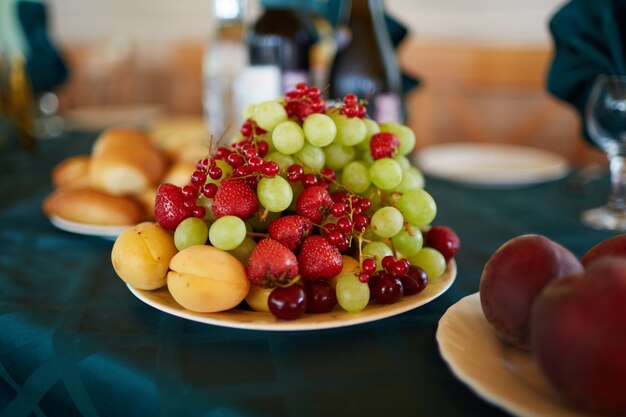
[251, 320]
[106, 232]
[501, 374]
[490, 164]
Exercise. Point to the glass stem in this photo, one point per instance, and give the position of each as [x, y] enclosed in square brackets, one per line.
[617, 199]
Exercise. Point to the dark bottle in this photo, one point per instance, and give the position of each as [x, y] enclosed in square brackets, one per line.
[367, 66]
[282, 37]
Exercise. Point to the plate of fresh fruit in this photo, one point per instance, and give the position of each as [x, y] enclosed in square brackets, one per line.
[545, 334]
[311, 217]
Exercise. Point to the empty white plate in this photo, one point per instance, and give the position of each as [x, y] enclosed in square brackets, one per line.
[491, 164]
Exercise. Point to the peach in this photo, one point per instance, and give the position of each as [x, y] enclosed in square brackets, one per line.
[578, 333]
[513, 277]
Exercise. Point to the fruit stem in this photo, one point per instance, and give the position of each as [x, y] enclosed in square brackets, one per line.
[256, 234]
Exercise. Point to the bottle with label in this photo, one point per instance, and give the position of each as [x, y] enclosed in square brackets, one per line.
[367, 66]
[225, 57]
[282, 38]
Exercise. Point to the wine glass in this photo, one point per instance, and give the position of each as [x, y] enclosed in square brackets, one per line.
[605, 115]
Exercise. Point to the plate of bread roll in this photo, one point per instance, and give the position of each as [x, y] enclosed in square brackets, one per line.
[112, 188]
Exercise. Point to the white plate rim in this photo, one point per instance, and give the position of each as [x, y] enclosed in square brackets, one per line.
[510, 380]
[267, 322]
[443, 161]
[106, 232]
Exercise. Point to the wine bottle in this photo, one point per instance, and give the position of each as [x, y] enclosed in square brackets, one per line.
[282, 37]
[367, 66]
[225, 57]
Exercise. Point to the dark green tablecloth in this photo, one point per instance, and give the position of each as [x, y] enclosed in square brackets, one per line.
[75, 341]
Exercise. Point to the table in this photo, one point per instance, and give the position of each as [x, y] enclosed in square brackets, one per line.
[75, 341]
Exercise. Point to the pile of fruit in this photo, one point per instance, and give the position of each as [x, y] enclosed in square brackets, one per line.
[570, 313]
[310, 206]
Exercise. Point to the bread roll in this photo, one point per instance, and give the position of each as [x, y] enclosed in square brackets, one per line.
[183, 138]
[125, 162]
[72, 172]
[85, 205]
[179, 173]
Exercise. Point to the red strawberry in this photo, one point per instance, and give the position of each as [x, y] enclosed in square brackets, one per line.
[319, 259]
[383, 145]
[314, 203]
[290, 230]
[234, 198]
[271, 263]
[169, 209]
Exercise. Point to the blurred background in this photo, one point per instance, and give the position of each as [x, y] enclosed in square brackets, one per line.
[481, 65]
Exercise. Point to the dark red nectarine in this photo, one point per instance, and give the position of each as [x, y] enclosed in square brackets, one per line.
[513, 277]
[578, 332]
[614, 246]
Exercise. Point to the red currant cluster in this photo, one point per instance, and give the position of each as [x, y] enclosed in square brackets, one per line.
[303, 101]
[351, 218]
[296, 173]
[246, 159]
[352, 108]
[249, 129]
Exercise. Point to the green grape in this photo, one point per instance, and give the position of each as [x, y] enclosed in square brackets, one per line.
[207, 203]
[311, 157]
[288, 137]
[259, 225]
[374, 196]
[366, 156]
[412, 178]
[350, 131]
[352, 294]
[431, 261]
[269, 114]
[372, 128]
[376, 250]
[387, 221]
[190, 232]
[226, 170]
[244, 250]
[408, 241]
[418, 207]
[319, 129]
[385, 173]
[338, 156]
[275, 194]
[283, 161]
[403, 161]
[248, 111]
[227, 232]
[355, 177]
[296, 188]
[405, 135]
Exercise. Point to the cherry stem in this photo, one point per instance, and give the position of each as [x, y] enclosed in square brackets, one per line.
[256, 234]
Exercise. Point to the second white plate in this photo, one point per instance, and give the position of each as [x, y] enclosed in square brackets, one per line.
[491, 164]
[105, 232]
[501, 374]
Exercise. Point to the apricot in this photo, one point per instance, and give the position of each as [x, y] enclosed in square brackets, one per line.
[206, 279]
[141, 255]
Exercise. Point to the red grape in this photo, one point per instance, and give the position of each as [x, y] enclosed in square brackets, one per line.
[287, 303]
[320, 296]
